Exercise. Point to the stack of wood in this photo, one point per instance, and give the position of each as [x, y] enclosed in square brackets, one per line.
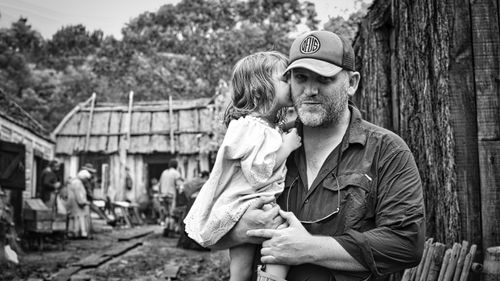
[441, 264]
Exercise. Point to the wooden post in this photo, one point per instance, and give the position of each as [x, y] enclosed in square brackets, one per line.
[467, 263]
[171, 123]
[491, 264]
[437, 260]
[444, 266]
[124, 146]
[450, 271]
[460, 262]
[421, 272]
[89, 125]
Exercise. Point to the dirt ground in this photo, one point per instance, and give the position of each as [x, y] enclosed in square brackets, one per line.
[147, 261]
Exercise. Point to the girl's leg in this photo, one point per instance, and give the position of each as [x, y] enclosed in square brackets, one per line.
[242, 257]
[273, 272]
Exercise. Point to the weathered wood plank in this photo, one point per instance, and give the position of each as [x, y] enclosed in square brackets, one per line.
[121, 248]
[65, 274]
[160, 122]
[94, 260]
[141, 123]
[463, 118]
[114, 128]
[486, 47]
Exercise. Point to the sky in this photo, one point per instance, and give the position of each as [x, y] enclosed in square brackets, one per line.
[48, 16]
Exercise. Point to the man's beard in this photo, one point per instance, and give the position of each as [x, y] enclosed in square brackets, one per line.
[329, 112]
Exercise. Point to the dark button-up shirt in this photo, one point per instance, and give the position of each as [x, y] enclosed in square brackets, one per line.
[370, 201]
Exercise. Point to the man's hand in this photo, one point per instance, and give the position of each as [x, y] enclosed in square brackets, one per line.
[288, 245]
[260, 215]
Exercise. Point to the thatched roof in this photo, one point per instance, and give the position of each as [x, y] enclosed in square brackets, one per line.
[11, 111]
[103, 127]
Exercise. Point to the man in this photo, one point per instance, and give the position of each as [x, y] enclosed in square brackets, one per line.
[353, 196]
[170, 182]
[49, 183]
[78, 205]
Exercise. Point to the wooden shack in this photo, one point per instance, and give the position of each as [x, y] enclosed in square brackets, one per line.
[25, 149]
[430, 72]
[142, 136]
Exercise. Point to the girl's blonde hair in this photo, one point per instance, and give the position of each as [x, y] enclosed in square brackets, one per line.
[252, 86]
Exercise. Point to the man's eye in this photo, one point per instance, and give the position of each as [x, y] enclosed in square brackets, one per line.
[300, 77]
[325, 80]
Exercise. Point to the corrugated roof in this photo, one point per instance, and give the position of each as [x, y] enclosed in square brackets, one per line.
[104, 128]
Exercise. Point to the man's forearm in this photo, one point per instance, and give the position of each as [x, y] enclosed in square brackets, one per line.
[326, 251]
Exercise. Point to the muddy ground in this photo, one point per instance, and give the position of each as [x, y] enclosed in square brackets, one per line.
[147, 261]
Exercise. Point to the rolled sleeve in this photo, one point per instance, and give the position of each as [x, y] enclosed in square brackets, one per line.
[397, 241]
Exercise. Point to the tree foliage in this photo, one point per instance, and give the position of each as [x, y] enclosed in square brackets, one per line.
[183, 50]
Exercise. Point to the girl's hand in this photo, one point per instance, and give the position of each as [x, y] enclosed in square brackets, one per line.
[292, 140]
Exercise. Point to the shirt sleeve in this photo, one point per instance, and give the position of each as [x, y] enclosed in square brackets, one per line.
[397, 242]
[254, 145]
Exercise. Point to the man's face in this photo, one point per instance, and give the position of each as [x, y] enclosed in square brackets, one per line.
[319, 100]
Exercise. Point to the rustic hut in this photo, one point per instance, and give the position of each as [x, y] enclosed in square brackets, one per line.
[25, 149]
[142, 136]
[430, 72]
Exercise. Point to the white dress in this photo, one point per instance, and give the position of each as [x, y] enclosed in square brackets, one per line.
[243, 171]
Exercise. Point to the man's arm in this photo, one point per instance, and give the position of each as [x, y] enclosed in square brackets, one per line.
[255, 217]
[294, 245]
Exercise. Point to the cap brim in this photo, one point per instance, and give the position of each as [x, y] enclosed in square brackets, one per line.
[92, 171]
[320, 67]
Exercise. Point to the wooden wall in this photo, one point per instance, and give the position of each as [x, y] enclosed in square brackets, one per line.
[35, 147]
[430, 72]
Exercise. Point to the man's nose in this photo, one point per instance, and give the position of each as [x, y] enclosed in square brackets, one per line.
[311, 90]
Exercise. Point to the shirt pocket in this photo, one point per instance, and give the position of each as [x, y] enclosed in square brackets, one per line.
[355, 206]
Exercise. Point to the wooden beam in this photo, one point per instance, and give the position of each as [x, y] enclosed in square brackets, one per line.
[171, 118]
[89, 125]
[68, 116]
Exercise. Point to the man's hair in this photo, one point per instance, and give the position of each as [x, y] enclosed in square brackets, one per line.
[252, 86]
[53, 163]
[173, 163]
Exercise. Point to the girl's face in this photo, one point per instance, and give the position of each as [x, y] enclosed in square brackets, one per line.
[282, 88]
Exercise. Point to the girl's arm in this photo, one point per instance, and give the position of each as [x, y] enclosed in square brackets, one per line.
[291, 141]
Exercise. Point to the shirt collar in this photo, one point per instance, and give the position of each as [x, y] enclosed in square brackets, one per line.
[356, 132]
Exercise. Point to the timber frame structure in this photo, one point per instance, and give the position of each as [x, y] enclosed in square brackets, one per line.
[142, 136]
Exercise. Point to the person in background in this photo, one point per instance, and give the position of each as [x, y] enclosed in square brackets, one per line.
[50, 183]
[170, 183]
[158, 208]
[190, 189]
[78, 205]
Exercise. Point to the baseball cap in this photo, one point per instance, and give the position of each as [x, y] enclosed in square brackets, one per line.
[323, 52]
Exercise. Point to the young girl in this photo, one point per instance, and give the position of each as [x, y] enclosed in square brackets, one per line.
[251, 160]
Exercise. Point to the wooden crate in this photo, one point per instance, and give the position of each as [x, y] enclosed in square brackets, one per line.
[36, 210]
[38, 226]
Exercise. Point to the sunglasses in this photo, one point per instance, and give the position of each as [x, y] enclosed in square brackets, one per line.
[323, 218]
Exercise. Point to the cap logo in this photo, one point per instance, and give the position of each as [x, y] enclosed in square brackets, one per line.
[310, 45]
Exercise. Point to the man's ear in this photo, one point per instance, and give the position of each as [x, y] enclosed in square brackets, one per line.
[354, 78]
